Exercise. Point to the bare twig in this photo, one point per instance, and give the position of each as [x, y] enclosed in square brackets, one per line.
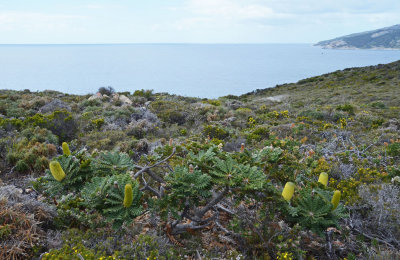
[212, 203]
[145, 168]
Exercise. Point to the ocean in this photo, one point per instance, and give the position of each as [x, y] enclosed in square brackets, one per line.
[196, 70]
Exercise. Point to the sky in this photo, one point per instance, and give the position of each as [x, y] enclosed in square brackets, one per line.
[190, 21]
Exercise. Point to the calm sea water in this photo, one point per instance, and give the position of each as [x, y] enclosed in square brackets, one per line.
[199, 70]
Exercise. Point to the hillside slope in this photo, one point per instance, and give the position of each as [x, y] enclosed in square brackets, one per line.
[148, 175]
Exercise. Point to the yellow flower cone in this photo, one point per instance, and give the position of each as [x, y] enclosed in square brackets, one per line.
[336, 199]
[65, 148]
[128, 196]
[288, 191]
[323, 178]
[56, 170]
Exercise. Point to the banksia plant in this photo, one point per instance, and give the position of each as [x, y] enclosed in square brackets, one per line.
[65, 148]
[242, 148]
[128, 196]
[312, 209]
[112, 163]
[288, 191]
[323, 178]
[116, 197]
[336, 199]
[56, 170]
[65, 176]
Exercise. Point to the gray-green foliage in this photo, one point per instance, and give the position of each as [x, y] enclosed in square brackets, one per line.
[231, 173]
[226, 170]
[75, 177]
[187, 187]
[313, 210]
[106, 194]
[109, 163]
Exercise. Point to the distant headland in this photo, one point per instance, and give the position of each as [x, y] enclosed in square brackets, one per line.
[384, 38]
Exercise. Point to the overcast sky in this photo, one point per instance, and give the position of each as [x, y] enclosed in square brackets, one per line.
[190, 21]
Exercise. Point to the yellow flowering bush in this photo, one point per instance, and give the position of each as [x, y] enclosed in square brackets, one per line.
[343, 123]
[349, 187]
[284, 256]
[285, 113]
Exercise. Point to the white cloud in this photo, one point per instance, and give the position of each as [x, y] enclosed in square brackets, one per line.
[34, 21]
[189, 23]
[214, 14]
[231, 9]
[282, 20]
[94, 6]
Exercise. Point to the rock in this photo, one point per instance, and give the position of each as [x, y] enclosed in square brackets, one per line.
[144, 113]
[115, 96]
[98, 95]
[202, 105]
[154, 145]
[234, 104]
[278, 98]
[124, 99]
[54, 105]
[233, 145]
[228, 121]
[392, 125]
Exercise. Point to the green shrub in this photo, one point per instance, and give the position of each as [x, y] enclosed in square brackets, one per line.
[243, 112]
[22, 166]
[318, 115]
[213, 102]
[106, 90]
[214, 131]
[313, 210]
[346, 108]
[169, 112]
[377, 122]
[30, 156]
[378, 104]
[107, 195]
[393, 149]
[103, 245]
[112, 163]
[61, 123]
[76, 175]
[258, 134]
[98, 123]
[143, 93]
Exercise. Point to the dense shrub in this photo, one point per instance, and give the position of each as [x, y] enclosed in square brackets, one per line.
[104, 245]
[394, 149]
[61, 123]
[214, 131]
[258, 134]
[346, 108]
[106, 90]
[169, 112]
[143, 93]
[30, 156]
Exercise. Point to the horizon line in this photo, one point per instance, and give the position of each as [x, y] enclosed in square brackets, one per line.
[161, 43]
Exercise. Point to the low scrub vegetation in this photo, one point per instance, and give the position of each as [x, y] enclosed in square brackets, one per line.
[300, 171]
